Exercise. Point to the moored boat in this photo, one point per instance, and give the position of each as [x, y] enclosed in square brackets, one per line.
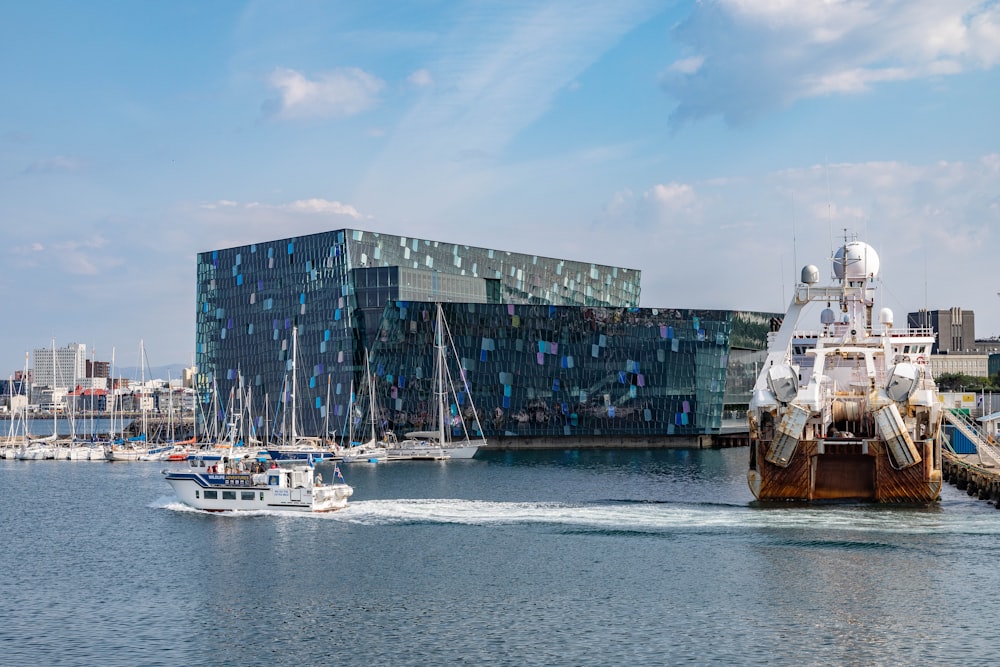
[450, 437]
[848, 411]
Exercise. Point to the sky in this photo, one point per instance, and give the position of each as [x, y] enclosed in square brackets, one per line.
[715, 146]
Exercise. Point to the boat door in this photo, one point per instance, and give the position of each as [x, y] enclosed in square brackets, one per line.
[296, 495]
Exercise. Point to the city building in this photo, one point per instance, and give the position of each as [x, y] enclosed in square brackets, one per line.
[98, 369]
[551, 347]
[955, 328]
[56, 370]
[975, 365]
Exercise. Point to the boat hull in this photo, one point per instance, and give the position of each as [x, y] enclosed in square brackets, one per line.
[433, 450]
[860, 471]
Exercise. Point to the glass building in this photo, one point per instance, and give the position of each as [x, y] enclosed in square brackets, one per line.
[551, 348]
[545, 372]
[332, 287]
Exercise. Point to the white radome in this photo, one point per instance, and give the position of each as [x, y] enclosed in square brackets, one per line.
[861, 262]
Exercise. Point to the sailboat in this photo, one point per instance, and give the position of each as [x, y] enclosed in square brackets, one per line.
[295, 447]
[135, 447]
[243, 485]
[372, 450]
[441, 441]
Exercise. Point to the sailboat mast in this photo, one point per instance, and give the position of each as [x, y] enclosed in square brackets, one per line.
[55, 414]
[142, 388]
[371, 394]
[441, 395]
[295, 345]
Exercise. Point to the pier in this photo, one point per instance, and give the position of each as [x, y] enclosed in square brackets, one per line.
[971, 458]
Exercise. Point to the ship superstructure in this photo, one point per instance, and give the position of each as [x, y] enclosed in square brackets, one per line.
[849, 410]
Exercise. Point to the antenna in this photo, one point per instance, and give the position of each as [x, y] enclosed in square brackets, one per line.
[829, 201]
[795, 261]
[926, 306]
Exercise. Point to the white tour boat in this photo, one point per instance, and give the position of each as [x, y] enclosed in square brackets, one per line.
[298, 488]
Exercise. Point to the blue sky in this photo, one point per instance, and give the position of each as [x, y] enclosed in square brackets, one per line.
[716, 146]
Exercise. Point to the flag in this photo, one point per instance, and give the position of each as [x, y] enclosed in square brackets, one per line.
[336, 473]
[311, 465]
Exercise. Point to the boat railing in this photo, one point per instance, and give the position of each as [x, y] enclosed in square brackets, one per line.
[975, 434]
[839, 329]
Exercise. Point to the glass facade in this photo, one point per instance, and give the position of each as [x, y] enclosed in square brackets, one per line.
[540, 371]
[331, 288]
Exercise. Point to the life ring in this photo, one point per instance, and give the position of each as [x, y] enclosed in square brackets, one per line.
[921, 360]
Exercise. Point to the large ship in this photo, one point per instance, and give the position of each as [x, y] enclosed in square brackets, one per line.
[848, 411]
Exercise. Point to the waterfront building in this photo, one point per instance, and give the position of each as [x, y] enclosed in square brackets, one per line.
[975, 365]
[55, 371]
[98, 369]
[954, 328]
[541, 373]
[59, 368]
[552, 347]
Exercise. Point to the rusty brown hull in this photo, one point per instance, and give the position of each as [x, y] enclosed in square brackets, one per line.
[857, 471]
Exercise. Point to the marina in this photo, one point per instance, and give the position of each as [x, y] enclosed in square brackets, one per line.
[563, 557]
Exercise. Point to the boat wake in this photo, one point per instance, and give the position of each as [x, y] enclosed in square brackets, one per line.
[640, 518]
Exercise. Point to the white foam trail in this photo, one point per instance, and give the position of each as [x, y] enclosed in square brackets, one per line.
[641, 517]
[665, 516]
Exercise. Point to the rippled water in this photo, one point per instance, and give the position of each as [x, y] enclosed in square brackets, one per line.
[544, 558]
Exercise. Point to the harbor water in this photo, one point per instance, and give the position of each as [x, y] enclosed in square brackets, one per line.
[529, 558]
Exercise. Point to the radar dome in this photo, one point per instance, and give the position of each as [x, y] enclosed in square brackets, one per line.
[810, 274]
[855, 261]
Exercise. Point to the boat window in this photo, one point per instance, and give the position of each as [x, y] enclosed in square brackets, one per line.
[211, 495]
[272, 480]
[197, 493]
[262, 495]
[246, 495]
[906, 349]
[229, 495]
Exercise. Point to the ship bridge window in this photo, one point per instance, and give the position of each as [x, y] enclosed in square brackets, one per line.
[211, 495]
[246, 495]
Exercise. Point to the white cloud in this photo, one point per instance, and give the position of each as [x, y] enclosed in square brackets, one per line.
[345, 91]
[667, 205]
[322, 206]
[923, 220]
[222, 203]
[688, 65]
[753, 56]
[421, 78]
[495, 73]
[313, 205]
[53, 164]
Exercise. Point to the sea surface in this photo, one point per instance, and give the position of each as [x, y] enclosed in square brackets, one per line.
[536, 558]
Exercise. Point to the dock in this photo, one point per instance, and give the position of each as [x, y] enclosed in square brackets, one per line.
[971, 458]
